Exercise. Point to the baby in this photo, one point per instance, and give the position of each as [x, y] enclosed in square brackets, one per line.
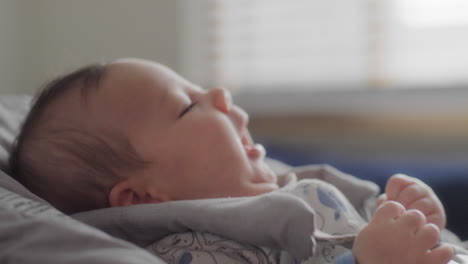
[133, 132]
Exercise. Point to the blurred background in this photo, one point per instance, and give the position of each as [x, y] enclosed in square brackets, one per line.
[372, 87]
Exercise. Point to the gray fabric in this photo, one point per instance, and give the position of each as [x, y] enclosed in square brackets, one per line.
[32, 232]
[12, 185]
[276, 220]
[13, 109]
[246, 220]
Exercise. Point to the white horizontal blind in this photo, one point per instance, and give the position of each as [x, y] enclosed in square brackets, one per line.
[315, 44]
[277, 44]
[427, 43]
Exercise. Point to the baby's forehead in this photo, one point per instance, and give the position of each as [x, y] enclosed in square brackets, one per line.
[141, 72]
[127, 83]
[141, 69]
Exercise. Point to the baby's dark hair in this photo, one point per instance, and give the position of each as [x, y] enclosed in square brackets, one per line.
[71, 167]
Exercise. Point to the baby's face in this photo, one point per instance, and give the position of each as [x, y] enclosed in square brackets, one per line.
[197, 141]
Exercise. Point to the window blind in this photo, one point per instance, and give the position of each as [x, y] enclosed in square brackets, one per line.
[427, 43]
[260, 45]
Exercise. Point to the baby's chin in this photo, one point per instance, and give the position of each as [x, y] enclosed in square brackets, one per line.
[266, 180]
[263, 173]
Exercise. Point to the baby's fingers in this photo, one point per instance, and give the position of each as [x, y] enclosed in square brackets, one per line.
[430, 208]
[390, 210]
[438, 219]
[396, 184]
[413, 219]
[440, 255]
[381, 199]
[411, 194]
[428, 237]
[426, 205]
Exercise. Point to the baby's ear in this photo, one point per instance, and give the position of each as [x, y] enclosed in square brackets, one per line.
[128, 192]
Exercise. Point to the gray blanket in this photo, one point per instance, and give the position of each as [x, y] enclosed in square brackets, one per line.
[251, 220]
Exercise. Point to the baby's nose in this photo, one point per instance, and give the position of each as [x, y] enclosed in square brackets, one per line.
[222, 99]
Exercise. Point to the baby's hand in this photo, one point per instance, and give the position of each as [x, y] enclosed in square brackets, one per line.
[397, 236]
[414, 194]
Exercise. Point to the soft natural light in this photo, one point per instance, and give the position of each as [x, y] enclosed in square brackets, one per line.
[432, 13]
[312, 45]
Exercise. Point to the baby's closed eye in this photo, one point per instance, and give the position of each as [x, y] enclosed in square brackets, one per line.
[187, 109]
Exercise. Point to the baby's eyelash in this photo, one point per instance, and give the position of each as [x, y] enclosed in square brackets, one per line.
[186, 109]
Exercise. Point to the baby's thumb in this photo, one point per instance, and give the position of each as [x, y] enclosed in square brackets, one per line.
[381, 199]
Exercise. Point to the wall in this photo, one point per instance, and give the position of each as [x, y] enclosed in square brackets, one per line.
[14, 31]
[43, 38]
